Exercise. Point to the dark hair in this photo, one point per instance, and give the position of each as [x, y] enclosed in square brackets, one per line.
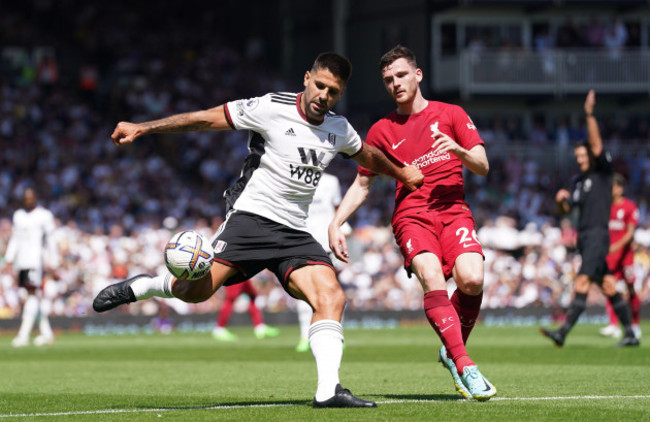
[339, 66]
[585, 143]
[397, 52]
[619, 179]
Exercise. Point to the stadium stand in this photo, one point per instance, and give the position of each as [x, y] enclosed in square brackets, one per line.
[66, 79]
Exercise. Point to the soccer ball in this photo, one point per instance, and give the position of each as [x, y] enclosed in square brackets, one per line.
[188, 255]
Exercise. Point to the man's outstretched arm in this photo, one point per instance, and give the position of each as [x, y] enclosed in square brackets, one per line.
[210, 119]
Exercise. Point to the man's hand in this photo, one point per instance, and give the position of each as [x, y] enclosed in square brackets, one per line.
[412, 177]
[338, 244]
[562, 201]
[562, 195]
[443, 144]
[590, 102]
[125, 133]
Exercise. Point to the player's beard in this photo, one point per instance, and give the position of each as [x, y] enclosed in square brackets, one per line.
[317, 114]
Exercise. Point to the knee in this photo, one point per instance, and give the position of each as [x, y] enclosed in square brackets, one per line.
[609, 292]
[471, 283]
[581, 284]
[609, 286]
[432, 279]
[329, 298]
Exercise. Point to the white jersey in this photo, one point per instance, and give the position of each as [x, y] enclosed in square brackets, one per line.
[287, 156]
[30, 238]
[322, 210]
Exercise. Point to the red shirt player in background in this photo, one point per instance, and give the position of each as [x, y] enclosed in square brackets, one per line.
[221, 333]
[433, 226]
[623, 221]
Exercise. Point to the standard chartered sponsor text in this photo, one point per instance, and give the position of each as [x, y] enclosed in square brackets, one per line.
[430, 158]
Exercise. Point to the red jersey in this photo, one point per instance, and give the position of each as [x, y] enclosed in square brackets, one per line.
[407, 139]
[621, 216]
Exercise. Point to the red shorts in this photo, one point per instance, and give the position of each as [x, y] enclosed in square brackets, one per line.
[621, 264]
[234, 291]
[446, 233]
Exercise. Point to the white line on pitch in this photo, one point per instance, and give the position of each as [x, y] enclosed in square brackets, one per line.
[245, 406]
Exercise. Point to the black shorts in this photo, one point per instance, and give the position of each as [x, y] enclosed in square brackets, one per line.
[30, 278]
[594, 246]
[251, 243]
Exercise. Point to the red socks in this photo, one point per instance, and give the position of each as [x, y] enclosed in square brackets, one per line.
[467, 307]
[445, 321]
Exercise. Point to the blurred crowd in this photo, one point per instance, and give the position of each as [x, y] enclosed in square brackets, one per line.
[117, 207]
[531, 267]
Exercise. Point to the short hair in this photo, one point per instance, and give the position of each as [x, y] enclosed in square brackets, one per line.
[397, 52]
[339, 65]
[619, 179]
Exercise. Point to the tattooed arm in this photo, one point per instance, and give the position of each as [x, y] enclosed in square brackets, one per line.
[375, 160]
[211, 119]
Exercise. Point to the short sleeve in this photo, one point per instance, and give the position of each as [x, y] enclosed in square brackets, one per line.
[603, 163]
[373, 138]
[353, 143]
[248, 113]
[465, 131]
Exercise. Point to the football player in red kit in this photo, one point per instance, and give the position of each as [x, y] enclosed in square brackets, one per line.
[623, 221]
[433, 226]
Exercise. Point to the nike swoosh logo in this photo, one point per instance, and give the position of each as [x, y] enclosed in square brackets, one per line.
[487, 387]
[398, 144]
[446, 328]
[466, 245]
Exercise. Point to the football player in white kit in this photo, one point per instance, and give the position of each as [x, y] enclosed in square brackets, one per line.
[29, 247]
[292, 139]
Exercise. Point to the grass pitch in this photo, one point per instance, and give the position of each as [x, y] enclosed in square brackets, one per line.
[191, 377]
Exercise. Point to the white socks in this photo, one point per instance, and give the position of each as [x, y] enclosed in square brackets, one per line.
[30, 311]
[326, 342]
[147, 286]
[44, 324]
[304, 317]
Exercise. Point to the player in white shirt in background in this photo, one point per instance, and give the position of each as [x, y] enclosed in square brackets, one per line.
[321, 211]
[30, 251]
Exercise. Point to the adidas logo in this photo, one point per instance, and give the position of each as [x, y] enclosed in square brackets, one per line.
[290, 132]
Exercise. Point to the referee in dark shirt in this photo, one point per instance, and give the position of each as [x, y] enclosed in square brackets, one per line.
[591, 194]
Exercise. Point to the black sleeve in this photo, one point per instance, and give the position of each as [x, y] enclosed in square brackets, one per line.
[603, 163]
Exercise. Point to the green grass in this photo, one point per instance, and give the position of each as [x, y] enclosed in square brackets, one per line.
[191, 377]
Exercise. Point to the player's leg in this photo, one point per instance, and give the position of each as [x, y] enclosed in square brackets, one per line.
[27, 281]
[29, 314]
[305, 314]
[614, 264]
[420, 245]
[220, 332]
[317, 285]
[445, 321]
[622, 310]
[576, 308]
[468, 274]
[46, 335]
[633, 299]
[611, 329]
[257, 318]
[438, 308]
[144, 286]
[593, 246]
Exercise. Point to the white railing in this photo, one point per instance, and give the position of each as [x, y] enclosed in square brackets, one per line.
[556, 72]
